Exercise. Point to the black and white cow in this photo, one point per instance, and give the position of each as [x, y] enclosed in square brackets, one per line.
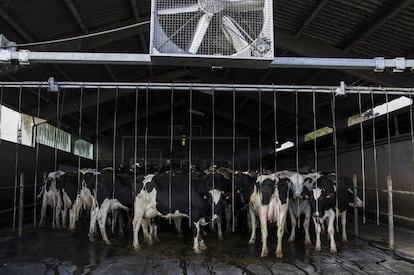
[323, 203]
[269, 201]
[154, 201]
[107, 196]
[298, 204]
[244, 184]
[50, 195]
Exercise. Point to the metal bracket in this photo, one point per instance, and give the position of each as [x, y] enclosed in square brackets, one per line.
[400, 65]
[5, 56]
[341, 90]
[52, 85]
[379, 64]
[24, 57]
[6, 44]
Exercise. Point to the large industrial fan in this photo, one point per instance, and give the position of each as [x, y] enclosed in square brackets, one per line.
[218, 28]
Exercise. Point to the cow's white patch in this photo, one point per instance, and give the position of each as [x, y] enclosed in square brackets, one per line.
[56, 174]
[89, 171]
[148, 179]
[317, 193]
[262, 178]
[216, 194]
[176, 215]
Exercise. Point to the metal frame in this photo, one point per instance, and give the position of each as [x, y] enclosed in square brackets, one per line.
[378, 64]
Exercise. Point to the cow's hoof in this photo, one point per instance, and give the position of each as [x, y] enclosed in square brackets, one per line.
[279, 254]
[344, 240]
[180, 234]
[137, 247]
[197, 251]
[220, 238]
[317, 248]
[107, 242]
[251, 241]
[291, 240]
[333, 250]
[308, 242]
[264, 254]
[203, 246]
[91, 238]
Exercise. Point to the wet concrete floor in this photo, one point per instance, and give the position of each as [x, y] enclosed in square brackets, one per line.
[48, 251]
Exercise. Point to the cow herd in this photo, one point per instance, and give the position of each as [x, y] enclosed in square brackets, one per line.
[213, 196]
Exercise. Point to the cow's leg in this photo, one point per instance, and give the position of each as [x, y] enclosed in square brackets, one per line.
[306, 223]
[331, 230]
[317, 223]
[64, 217]
[58, 211]
[146, 230]
[155, 231]
[196, 236]
[136, 224]
[227, 213]
[263, 227]
[102, 215]
[292, 215]
[343, 222]
[253, 226]
[281, 229]
[177, 223]
[219, 230]
[114, 220]
[92, 223]
[43, 210]
[121, 224]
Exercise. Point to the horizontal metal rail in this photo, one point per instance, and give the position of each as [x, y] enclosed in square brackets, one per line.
[204, 87]
[26, 57]
[11, 209]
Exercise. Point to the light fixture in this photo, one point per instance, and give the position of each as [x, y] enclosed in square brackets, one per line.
[183, 140]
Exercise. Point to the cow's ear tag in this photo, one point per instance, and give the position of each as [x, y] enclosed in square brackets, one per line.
[227, 197]
[205, 197]
[306, 197]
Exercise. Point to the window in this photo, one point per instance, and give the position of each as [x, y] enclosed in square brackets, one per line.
[83, 148]
[318, 133]
[51, 136]
[16, 127]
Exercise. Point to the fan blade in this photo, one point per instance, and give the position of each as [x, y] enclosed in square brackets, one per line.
[245, 5]
[233, 34]
[178, 10]
[200, 32]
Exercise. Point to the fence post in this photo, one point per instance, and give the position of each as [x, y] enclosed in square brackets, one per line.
[355, 182]
[21, 204]
[390, 214]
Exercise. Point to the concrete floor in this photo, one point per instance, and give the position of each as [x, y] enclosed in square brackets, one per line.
[48, 251]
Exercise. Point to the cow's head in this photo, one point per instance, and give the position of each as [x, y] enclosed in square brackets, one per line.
[266, 185]
[217, 199]
[283, 185]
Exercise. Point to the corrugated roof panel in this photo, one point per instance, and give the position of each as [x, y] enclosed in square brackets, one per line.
[44, 19]
[293, 12]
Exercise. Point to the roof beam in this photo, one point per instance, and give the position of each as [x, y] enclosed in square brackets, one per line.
[379, 22]
[9, 19]
[110, 73]
[310, 18]
[76, 15]
[311, 47]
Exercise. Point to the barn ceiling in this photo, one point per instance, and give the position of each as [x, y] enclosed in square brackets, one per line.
[335, 28]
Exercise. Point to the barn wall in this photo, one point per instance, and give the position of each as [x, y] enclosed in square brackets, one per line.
[349, 163]
[26, 165]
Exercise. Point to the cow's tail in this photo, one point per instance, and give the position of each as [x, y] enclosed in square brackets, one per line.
[41, 192]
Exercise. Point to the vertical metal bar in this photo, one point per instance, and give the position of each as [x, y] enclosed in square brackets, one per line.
[412, 126]
[388, 134]
[1, 107]
[114, 144]
[97, 144]
[21, 205]
[146, 134]
[190, 161]
[57, 127]
[248, 154]
[361, 128]
[36, 161]
[297, 152]
[171, 148]
[390, 214]
[315, 147]
[16, 164]
[275, 128]
[80, 136]
[135, 141]
[335, 144]
[260, 132]
[374, 140]
[213, 144]
[233, 228]
[355, 183]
